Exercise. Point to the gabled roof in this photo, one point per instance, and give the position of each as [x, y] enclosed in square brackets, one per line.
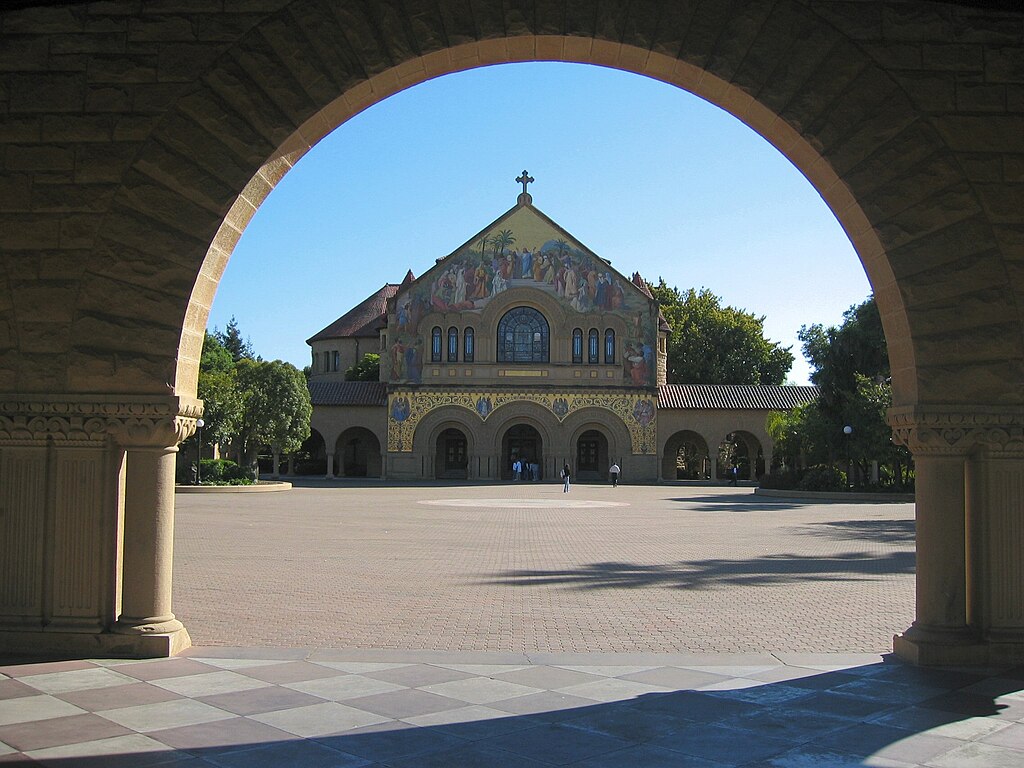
[348, 392]
[524, 206]
[770, 397]
[365, 319]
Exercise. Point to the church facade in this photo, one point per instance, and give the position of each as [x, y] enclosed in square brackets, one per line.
[524, 346]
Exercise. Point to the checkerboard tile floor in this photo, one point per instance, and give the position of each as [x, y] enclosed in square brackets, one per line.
[398, 709]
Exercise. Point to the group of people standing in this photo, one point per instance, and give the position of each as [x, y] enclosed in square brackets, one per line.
[525, 470]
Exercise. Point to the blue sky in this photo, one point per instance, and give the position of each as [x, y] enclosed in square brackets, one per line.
[643, 173]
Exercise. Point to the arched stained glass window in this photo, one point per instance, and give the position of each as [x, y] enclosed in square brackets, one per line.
[577, 345]
[435, 344]
[468, 346]
[523, 336]
[593, 347]
[609, 346]
[453, 344]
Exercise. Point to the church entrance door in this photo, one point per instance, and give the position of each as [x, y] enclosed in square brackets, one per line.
[452, 455]
[521, 442]
[591, 456]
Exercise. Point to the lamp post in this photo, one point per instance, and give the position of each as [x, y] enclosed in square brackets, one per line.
[199, 452]
[848, 430]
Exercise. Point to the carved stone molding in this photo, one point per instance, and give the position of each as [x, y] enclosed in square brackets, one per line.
[958, 431]
[92, 421]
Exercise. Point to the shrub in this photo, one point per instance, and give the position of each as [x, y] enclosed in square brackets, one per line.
[224, 471]
[823, 478]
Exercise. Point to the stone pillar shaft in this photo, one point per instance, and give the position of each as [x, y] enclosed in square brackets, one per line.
[941, 546]
[148, 542]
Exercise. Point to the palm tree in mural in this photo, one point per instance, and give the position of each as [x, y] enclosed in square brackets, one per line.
[483, 246]
[502, 240]
[562, 248]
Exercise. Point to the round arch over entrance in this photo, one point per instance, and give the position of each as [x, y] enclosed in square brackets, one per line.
[101, 358]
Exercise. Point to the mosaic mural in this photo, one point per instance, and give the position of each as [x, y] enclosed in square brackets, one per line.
[637, 412]
[523, 250]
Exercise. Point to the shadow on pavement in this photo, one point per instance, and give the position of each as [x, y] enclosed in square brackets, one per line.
[709, 574]
[883, 712]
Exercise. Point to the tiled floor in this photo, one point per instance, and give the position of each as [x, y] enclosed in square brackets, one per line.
[290, 707]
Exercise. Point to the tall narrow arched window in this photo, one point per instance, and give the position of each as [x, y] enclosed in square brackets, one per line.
[435, 344]
[468, 346]
[593, 347]
[453, 344]
[336, 361]
[523, 336]
[609, 345]
[577, 345]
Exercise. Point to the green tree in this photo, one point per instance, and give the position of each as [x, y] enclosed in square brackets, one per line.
[367, 369]
[275, 408]
[232, 341]
[218, 389]
[715, 344]
[851, 368]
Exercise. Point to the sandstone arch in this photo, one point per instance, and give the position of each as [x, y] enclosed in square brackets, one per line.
[130, 175]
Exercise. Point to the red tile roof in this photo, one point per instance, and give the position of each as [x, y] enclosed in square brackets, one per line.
[348, 392]
[742, 396]
[365, 319]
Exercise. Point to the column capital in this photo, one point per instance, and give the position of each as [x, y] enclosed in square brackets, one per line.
[131, 421]
[957, 430]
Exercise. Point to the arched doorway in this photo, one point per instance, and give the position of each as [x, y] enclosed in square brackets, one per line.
[357, 454]
[741, 450]
[522, 442]
[592, 456]
[686, 457]
[452, 458]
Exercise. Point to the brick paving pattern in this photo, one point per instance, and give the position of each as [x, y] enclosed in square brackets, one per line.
[512, 568]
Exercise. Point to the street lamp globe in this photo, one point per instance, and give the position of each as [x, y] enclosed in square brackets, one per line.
[847, 430]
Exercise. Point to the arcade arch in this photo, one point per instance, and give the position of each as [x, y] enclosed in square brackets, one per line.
[357, 453]
[111, 382]
[686, 457]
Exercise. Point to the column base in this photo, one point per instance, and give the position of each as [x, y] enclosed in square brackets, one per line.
[91, 645]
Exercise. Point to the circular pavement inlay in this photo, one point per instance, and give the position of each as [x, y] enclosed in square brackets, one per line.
[520, 503]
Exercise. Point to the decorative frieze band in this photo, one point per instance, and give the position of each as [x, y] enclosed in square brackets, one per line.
[128, 421]
[952, 431]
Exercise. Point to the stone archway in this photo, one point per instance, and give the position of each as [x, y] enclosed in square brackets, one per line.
[686, 457]
[357, 454]
[130, 176]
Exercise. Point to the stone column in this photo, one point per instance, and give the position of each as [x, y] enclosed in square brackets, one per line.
[970, 510]
[148, 542]
[86, 523]
[148, 531]
[713, 464]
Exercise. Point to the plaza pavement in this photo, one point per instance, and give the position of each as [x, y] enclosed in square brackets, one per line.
[641, 671]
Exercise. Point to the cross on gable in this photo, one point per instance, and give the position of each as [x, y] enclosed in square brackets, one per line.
[525, 180]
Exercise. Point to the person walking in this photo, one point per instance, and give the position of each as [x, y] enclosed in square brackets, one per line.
[565, 476]
[613, 473]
